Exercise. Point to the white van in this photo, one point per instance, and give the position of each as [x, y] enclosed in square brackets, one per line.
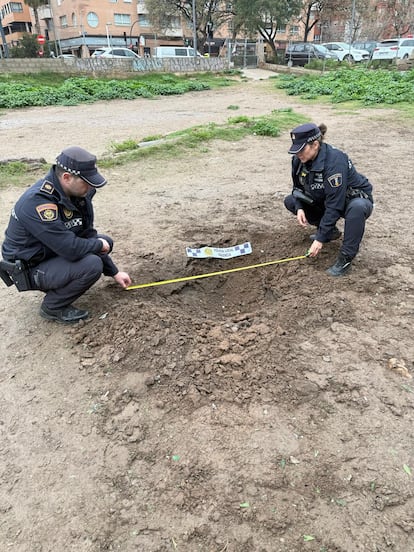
[174, 52]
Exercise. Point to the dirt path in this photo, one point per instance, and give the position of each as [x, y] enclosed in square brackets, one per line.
[257, 412]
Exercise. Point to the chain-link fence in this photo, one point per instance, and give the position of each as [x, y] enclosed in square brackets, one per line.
[243, 53]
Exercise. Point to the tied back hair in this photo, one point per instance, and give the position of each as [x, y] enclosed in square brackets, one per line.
[323, 128]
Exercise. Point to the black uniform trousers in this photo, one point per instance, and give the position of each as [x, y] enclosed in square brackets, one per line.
[65, 281]
[357, 211]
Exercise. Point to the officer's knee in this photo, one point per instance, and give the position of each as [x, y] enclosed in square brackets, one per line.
[93, 266]
[289, 204]
[359, 207]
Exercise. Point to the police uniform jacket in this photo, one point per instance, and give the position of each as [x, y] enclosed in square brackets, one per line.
[45, 223]
[331, 180]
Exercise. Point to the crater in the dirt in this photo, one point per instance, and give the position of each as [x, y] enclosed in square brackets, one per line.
[225, 336]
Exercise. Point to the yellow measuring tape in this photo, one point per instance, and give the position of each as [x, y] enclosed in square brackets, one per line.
[207, 275]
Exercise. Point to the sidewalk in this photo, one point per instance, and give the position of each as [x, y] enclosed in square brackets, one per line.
[257, 74]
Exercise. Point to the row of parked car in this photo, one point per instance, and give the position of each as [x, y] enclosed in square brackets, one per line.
[127, 53]
[301, 53]
[159, 52]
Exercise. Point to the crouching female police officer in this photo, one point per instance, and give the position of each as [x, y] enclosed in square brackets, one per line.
[51, 234]
[327, 187]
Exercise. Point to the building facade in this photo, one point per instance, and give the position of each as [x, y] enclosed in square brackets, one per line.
[80, 27]
[15, 19]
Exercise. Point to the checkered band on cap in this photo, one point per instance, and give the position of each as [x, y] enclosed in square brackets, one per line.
[302, 135]
[79, 162]
[67, 169]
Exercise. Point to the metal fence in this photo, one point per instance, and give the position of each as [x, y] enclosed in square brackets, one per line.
[243, 53]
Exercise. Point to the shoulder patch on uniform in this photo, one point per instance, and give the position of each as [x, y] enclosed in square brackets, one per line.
[47, 187]
[335, 180]
[48, 212]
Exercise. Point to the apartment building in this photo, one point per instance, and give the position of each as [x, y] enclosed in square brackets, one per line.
[15, 19]
[80, 27]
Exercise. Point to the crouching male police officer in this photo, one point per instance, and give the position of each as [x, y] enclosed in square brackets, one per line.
[51, 244]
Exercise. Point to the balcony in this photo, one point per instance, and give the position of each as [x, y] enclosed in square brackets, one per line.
[141, 7]
[44, 12]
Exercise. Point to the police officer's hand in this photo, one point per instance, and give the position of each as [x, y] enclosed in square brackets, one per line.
[315, 248]
[301, 217]
[123, 279]
[106, 248]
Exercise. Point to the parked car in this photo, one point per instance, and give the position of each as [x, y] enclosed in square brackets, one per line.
[367, 45]
[174, 51]
[118, 53]
[67, 56]
[394, 48]
[301, 53]
[345, 52]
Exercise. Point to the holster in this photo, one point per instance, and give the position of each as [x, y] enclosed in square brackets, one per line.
[16, 273]
[302, 196]
[352, 193]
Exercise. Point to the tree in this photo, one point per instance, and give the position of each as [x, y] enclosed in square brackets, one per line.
[313, 12]
[401, 16]
[35, 4]
[341, 19]
[27, 48]
[210, 15]
[310, 15]
[265, 17]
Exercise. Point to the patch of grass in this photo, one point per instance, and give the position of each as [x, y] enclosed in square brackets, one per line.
[233, 107]
[172, 145]
[13, 168]
[323, 65]
[34, 79]
[152, 138]
[19, 173]
[358, 85]
[29, 90]
[180, 142]
[126, 145]
[239, 119]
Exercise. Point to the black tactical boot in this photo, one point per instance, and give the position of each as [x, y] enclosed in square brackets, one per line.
[341, 267]
[65, 315]
[335, 234]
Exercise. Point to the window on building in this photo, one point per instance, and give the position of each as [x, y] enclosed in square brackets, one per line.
[63, 21]
[122, 19]
[74, 20]
[127, 1]
[281, 29]
[18, 27]
[113, 1]
[16, 7]
[143, 20]
[173, 22]
[294, 29]
[92, 19]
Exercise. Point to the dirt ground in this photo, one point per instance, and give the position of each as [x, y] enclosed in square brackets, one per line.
[268, 410]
